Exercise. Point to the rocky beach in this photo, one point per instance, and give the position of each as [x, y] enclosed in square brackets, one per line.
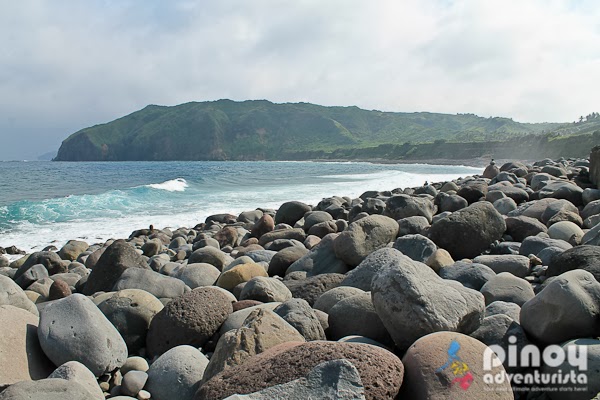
[398, 294]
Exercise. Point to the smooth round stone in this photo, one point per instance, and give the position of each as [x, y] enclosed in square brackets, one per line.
[299, 314]
[133, 382]
[11, 294]
[135, 363]
[176, 374]
[507, 287]
[240, 274]
[567, 231]
[79, 373]
[198, 275]
[74, 329]
[265, 290]
[331, 297]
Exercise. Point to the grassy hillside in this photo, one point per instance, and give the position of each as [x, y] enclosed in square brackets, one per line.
[253, 130]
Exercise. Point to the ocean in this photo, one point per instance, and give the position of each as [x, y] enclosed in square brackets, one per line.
[43, 203]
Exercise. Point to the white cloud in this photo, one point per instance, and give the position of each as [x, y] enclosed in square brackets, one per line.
[68, 64]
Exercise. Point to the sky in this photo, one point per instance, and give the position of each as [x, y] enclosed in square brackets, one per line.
[69, 64]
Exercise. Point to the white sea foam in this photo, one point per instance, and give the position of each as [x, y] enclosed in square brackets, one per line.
[174, 185]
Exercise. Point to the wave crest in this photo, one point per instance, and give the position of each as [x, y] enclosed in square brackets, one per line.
[174, 185]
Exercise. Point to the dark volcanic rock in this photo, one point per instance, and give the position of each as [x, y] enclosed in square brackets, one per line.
[311, 288]
[114, 261]
[584, 257]
[381, 372]
[51, 261]
[190, 319]
[291, 212]
[468, 232]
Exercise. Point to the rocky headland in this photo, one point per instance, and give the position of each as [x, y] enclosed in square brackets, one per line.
[392, 295]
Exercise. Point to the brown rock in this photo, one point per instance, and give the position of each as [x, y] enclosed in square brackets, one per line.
[58, 290]
[310, 289]
[227, 236]
[189, 319]
[240, 305]
[240, 274]
[381, 371]
[263, 225]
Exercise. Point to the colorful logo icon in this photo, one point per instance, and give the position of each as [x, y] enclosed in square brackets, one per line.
[461, 371]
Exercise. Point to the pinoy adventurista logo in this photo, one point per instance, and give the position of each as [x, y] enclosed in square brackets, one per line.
[461, 371]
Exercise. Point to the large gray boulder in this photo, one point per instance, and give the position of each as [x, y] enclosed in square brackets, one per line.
[74, 329]
[413, 301]
[403, 206]
[131, 311]
[212, 256]
[321, 259]
[507, 287]
[417, 247]
[117, 258]
[356, 315]
[364, 237]
[198, 275]
[515, 264]
[152, 282]
[471, 275]
[567, 308]
[299, 314]
[291, 212]
[361, 276]
[176, 374]
[468, 232]
[585, 257]
[265, 290]
[11, 294]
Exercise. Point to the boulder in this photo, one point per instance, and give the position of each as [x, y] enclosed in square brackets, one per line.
[264, 225]
[311, 288]
[321, 259]
[335, 379]
[212, 256]
[74, 329]
[265, 290]
[12, 295]
[363, 237]
[176, 374]
[77, 372]
[473, 191]
[515, 264]
[403, 206]
[152, 282]
[567, 231]
[568, 307]
[470, 275]
[190, 319]
[239, 274]
[507, 287]
[519, 228]
[284, 258]
[291, 212]
[429, 374]
[468, 232]
[405, 288]
[535, 244]
[198, 275]
[299, 314]
[131, 311]
[46, 389]
[331, 297]
[117, 258]
[21, 356]
[417, 247]
[439, 259]
[356, 315]
[236, 319]
[50, 260]
[72, 249]
[262, 330]
[585, 257]
[511, 310]
[412, 225]
[285, 233]
[381, 372]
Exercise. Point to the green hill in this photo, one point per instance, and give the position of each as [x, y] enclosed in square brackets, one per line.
[261, 130]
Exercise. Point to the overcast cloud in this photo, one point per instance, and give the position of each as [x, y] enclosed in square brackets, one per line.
[66, 65]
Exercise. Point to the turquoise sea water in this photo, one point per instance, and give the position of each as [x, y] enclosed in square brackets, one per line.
[51, 202]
